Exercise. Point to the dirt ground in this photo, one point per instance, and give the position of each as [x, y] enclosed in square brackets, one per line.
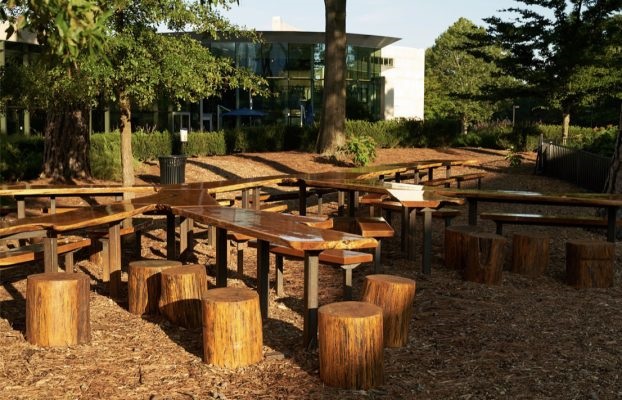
[524, 339]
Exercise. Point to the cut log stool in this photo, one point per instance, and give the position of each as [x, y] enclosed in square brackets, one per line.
[232, 332]
[589, 263]
[183, 288]
[396, 296]
[144, 283]
[455, 237]
[57, 309]
[484, 256]
[530, 254]
[351, 345]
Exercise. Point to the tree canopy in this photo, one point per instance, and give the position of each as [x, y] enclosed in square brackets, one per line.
[456, 80]
[562, 51]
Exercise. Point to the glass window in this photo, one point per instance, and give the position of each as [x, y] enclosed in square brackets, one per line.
[274, 59]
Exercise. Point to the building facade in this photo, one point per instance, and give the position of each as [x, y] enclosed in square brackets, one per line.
[383, 81]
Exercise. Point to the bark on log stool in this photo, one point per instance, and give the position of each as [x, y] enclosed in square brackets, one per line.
[144, 283]
[484, 256]
[232, 331]
[454, 244]
[57, 309]
[396, 296]
[589, 263]
[182, 290]
[530, 254]
[351, 345]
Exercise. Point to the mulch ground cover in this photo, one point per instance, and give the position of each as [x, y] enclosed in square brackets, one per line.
[527, 338]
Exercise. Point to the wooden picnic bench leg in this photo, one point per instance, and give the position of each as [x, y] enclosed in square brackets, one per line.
[50, 252]
[185, 235]
[255, 194]
[221, 257]
[472, 211]
[302, 199]
[340, 203]
[263, 269]
[352, 197]
[245, 201]
[398, 177]
[171, 245]
[448, 171]
[377, 255]
[416, 176]
[319, 202]
[21, 206]
[311, 271]
[347, 280]
[427, 241]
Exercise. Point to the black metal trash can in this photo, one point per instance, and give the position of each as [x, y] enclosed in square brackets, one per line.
[172, 169]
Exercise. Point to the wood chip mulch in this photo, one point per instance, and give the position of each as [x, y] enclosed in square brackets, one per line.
[524, 339]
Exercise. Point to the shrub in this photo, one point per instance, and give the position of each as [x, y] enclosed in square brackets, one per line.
[361, 149]
[21, 157]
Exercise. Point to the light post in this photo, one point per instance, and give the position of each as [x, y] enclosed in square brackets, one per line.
[514, 107]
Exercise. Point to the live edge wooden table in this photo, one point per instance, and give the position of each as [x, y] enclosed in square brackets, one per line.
[414, 199]
[297, 232]
[21, 192]
[610, 202]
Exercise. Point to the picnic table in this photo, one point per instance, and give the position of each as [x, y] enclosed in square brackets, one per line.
[610, 202]
[278, 229]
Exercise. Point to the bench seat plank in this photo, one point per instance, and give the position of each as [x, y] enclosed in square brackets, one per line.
[32, 252]
[580, 221]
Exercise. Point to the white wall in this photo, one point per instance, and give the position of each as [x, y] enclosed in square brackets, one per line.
[404, 82]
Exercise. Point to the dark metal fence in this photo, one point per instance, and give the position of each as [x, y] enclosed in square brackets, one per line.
[585, 169]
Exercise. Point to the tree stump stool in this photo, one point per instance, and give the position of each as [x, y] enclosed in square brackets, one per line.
[396, 296]
[484, 256]
[182, 290]
[589, 263]
[454, 244]
[351, 345]
[144, 283]
[530, 254]
[57, 309]
[232, 332]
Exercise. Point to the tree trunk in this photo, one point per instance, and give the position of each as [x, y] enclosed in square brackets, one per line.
[565, 126]
[67, 144]
[125, 126]
[333, 119]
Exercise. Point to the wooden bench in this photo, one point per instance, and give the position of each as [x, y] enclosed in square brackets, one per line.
[548, 220]
[67, 246]
[456, 179]
[345, 259]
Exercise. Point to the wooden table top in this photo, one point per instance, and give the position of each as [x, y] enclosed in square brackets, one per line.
[518, 196]
[280, 229]
[76, 219]
[72, 190]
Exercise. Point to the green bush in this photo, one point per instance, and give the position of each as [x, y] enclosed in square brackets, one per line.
[21, 157]
[361, 149]
[106, 156]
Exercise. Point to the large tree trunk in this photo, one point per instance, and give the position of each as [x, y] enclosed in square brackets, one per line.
[67, 144]
[333, 120]
[125, 126]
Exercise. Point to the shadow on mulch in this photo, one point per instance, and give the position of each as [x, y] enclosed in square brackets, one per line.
[332, 161]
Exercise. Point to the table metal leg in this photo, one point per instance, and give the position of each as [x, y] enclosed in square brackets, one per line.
[244, 198]
[612, 215]
[185, 235]
[427, 240]
[311, 271]
[255, 195]
[114, 259]
[411, 234]
[221, 257]
[302, 199]
[352, 197]
[377, 255]
[171, 241]
[263, 268]
[21, 207]
[472, 211]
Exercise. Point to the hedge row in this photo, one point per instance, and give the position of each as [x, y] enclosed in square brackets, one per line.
[21, 157]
